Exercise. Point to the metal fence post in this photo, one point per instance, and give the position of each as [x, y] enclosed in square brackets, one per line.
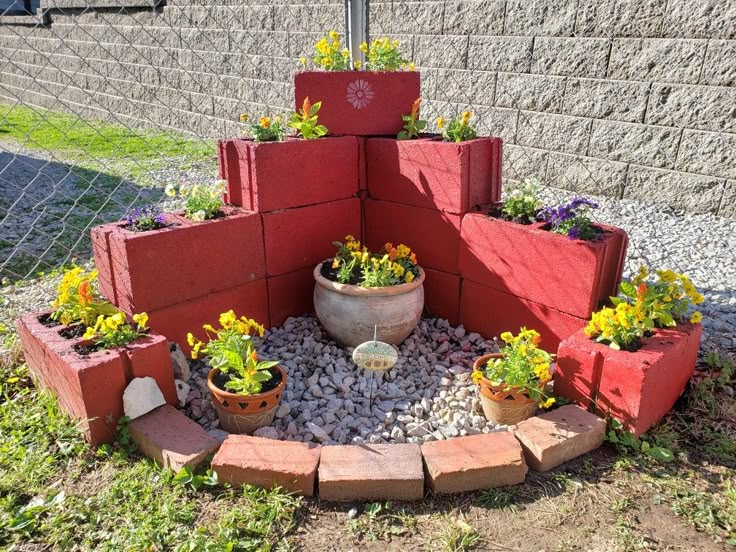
[356, 23]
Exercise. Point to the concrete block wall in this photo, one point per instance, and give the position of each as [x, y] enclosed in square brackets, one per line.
[626, 98]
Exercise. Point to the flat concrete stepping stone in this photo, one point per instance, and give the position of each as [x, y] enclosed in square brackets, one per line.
[474, 462]
[172, 439]
[371, 472]
[268, 463]
[560, 435]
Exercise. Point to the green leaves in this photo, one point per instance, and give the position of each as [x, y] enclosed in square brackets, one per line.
[626, 440]
[305, 120]
[29, 515]
[186, 476]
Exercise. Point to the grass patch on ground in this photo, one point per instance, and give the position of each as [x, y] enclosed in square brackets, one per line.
[57, 493]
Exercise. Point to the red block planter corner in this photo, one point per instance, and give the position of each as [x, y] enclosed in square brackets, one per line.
[490, 312]
[361, 103]
[268, 176]
[572, 276]
[175, 321]
[442, 295]
[155, 269]
[290, 295]
[637, 388]
[430, 173]
[302, 237]
[433, 235]
[90, 387]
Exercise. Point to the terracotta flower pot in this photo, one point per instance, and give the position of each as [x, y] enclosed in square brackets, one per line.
[245, 413]
[500, 406]
[350, 313]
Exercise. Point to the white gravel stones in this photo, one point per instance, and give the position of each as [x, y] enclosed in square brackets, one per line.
[179, 362]
[182, 391]
[427, 396]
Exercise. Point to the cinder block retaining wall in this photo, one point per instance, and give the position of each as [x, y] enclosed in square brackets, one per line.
[630, 98]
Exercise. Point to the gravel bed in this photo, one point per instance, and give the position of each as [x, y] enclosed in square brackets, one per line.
[427, 396]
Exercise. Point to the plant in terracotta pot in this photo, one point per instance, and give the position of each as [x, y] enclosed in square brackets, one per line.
[246, 390]
[357, 291]
[633, 360]
[360, 97]
[513, 381]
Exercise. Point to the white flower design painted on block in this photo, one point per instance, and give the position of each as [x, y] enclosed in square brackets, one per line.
[359, 93]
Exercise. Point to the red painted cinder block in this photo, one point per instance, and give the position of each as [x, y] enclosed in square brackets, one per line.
[442, 295]
[155, 269]
[360, 103]
[428, 172]
[433, 235]
[291, 294]
[268, 176]
[101, 252]
[490, 312]
[362, 163]
[638, 388]
[572, 276]
[175, 321]
[302, 237]
[149, 356]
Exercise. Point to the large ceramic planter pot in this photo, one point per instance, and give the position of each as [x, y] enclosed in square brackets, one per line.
[359, 103]
[500, 406]
[350, 313]
[245, 413]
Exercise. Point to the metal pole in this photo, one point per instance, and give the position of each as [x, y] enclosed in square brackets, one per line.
[356, 23]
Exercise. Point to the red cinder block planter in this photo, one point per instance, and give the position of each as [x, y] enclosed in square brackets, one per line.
[442, 295]
[90, 387]
[175, 321]
[638, 388]
[361, 103]
[433, 235]
[267, 176]
[490, 312]
[290, 295]
[158, 268]
[302, 237]
[572, 276]
[428, 172]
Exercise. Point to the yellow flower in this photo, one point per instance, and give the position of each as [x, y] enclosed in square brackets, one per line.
[303, 61]
[696, 318]
[89, 333]
[265, 122]
[170, 189]
[243, 118]
[507, 337]
[412, 67]
[227, 319]
[357, 64]
[440, 122]
[190, 339]
[477, 376]
[141, 319]
[333, 35]
[549, 402]
[465, 118]
[335, 263]
[363, 47]
[409, 277]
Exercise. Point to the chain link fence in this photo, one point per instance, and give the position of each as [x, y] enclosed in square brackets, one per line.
[104, 102]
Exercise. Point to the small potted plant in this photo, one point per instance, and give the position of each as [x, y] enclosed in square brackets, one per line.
[143, 271]
[453, 172]
[86, 352]
[513, 381]
[246, 390]
[357, 292]
[633, 360]
[360, 98]
[553, 256]
[269, 170]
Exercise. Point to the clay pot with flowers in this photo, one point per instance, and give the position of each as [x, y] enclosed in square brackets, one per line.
[357, 292]
[513, 381]
[633, 359]
[246, 390]
[360, 98]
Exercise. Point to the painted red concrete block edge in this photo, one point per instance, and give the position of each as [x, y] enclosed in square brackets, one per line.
[268, 463]
[359, 103]
[100, 236]
[490, 312]
[290, 294]
[463, 464]
[155, 269]
[433, 235]
[269, 176]
[442, 295]
[302, 237]
[175, 321]
[149, 356]
[637, 388]
[434, 174]
[572, 276]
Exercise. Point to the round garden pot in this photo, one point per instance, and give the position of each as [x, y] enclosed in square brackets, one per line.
[499, 406]
[245, 413]
[350, 313]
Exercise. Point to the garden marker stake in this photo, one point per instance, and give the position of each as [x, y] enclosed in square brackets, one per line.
[374, 356]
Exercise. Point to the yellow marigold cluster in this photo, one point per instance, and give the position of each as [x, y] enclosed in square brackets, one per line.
[330, 55]
[392, 266]
[383, 54]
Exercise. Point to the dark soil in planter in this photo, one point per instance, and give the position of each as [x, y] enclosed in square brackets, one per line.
[221, 379]
[331, 273]
[496, 212]
[600, 232]
[86, 349]
[133, 228]
[47, 321]
[72, 332]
